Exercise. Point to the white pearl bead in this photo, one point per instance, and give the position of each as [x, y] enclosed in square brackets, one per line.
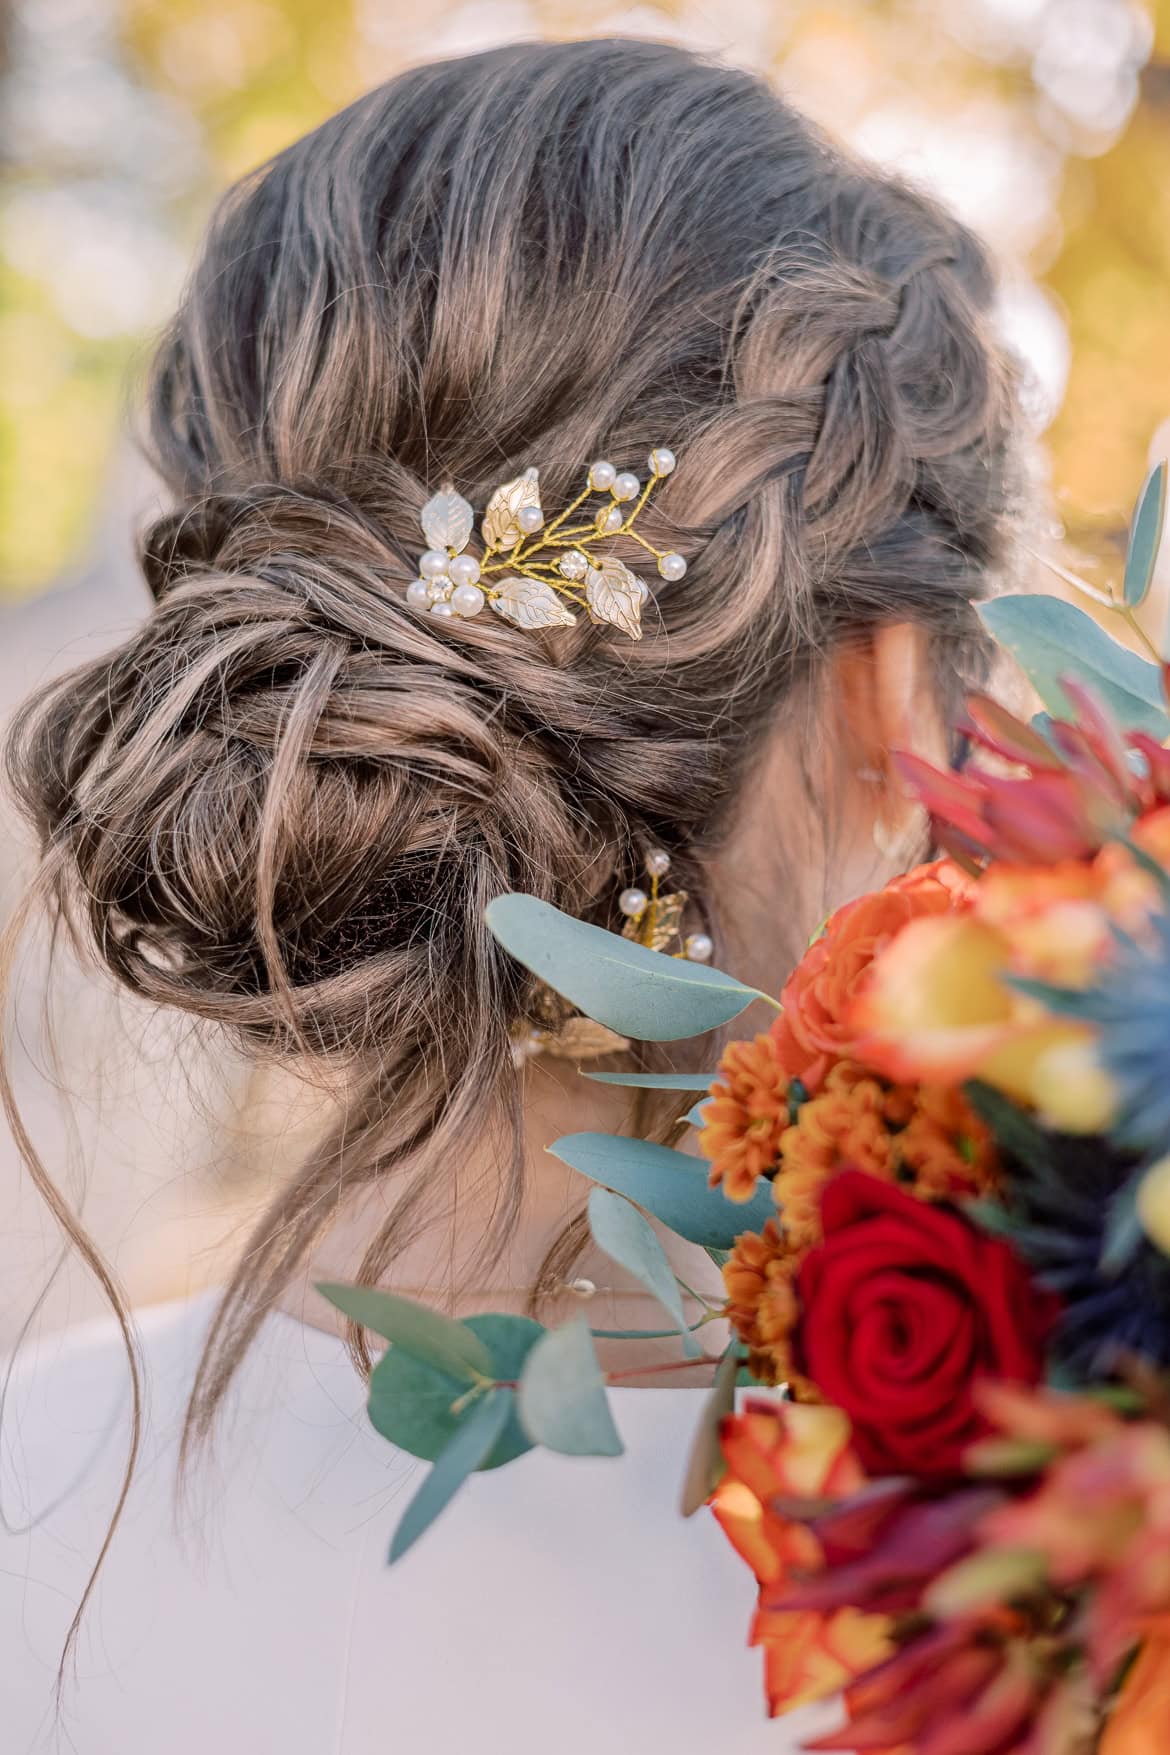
[582, 1288]
[463, 570]
[657, 862]
[609, 519]
[574, 565]
[467, 600]
[643, 588]
[672, 566]
[434, 562]
[601, 476]
[698, 947]
[633, 902]
[442, 608]
[530, 519]
[418, 594]
[661, 460]
[625, 485]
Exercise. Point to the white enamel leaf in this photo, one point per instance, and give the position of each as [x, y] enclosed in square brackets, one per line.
[500, 529]
[530, 603]
[447, 520]
[615, 595]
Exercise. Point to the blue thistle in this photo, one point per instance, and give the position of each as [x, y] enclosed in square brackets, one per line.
[1130, 1005]
[1066, 1194]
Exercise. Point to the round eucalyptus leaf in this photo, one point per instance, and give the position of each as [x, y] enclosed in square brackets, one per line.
[410, 1402]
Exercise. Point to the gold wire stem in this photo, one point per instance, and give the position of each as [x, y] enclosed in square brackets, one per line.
[589, 489]
[637, 537]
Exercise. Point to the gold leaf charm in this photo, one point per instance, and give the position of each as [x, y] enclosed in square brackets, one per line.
[501, 526]
[615, 595]
[582, 1039]
[659, 926]
[530, 603]
[447, 520]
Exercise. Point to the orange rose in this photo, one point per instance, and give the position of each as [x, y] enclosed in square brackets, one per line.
[774, 1450]
[1139, 1723]
[817, 1027]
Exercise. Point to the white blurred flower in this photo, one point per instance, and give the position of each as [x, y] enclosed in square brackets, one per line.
[1087, 62]
[982, 161]
[1033, 327]
[109, 269]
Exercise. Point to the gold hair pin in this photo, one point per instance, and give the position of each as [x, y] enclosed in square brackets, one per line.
[531, 571]
[652, 919]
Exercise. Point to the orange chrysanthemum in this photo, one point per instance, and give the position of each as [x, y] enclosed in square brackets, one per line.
[745, 1116]
[926, 1138]
[762, 1307]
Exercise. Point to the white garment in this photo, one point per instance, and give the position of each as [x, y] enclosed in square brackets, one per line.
[558, 1607]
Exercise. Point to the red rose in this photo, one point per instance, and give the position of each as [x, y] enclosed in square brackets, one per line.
[904, 1307]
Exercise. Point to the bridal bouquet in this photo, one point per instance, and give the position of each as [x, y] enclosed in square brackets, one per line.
[938, 1188]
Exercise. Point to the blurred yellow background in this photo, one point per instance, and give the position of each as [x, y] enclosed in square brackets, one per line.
[1045, 123]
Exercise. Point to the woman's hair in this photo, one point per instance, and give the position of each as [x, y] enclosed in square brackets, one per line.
[283, 804]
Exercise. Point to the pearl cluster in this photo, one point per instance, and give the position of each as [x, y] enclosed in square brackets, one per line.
[633, 902]
[452, 583]
[447, 584]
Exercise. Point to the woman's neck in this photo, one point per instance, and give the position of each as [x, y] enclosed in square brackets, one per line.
[449, 1261]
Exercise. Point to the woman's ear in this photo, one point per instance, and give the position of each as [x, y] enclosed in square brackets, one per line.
[885, 689]
[885, 685]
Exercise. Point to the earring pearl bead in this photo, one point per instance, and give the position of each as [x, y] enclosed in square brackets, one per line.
[699, 947]
[442, 608]
[657, 862]
[530, 519]
[601, 476]
[463, 570]
[672, 566]
[418, 594]
[467, 600]
[609, 519]
[632, 902]
[625, 485]
[661, 460]
[433, 562]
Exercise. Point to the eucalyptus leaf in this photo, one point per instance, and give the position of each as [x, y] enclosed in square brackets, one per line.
[563, 1404]
[1049, 639]
[474, 1438]
[637, 1081]
[671, 1185]
[1145, 536]
[418, 1408]
[437, 1340]
[622, 1232]
[705, 1463]
[642, 1334]
[639, 993]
